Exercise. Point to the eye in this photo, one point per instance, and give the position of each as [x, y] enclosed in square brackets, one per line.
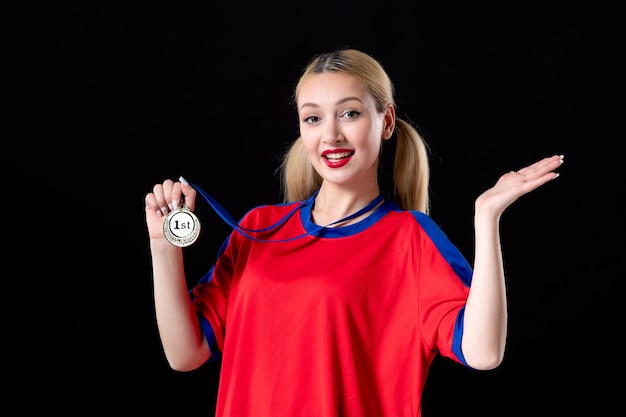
[311, 119]
[351, 114]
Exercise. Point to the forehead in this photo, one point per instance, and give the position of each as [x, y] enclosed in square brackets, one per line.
[331, 86]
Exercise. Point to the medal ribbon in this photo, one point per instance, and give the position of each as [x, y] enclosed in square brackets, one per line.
[225, 215]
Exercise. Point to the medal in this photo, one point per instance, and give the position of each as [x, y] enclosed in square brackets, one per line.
[181, 227]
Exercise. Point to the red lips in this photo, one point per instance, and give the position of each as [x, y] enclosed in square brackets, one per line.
[336, 158]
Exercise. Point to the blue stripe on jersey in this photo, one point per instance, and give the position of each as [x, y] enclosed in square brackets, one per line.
[458, 337]
[207, 330]
[450, 252]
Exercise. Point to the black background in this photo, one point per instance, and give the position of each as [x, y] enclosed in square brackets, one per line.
[105, 100]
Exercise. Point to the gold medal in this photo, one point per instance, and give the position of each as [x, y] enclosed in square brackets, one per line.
[181, 227]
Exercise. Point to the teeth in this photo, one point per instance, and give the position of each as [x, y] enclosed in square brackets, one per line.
[339, 155]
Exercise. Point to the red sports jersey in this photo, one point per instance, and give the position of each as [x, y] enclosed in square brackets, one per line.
[345, 322]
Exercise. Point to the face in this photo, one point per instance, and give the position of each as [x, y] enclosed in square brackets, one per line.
[341, 129]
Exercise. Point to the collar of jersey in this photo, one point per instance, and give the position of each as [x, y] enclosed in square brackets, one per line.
[342, 231]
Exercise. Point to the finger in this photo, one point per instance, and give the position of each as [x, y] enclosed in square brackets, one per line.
[541, 172]
[161, 197]
[543, 166]
[175, 198]
[168, 195]
[162, 194]
[189, 193]
[152, 204]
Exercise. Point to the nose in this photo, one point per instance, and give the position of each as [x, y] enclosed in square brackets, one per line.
[332, 132]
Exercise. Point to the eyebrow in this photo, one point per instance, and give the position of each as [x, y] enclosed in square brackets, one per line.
[343, 100]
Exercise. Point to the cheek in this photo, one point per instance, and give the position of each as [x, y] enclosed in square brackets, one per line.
[368, 136]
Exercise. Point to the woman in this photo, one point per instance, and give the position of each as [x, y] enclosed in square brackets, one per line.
[336, 302]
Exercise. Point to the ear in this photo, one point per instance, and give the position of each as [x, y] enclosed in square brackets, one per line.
[389, 122]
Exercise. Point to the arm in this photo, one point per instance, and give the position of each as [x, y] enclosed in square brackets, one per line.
[485, 321]
[183, 342]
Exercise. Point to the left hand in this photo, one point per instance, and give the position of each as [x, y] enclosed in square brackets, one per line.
[515, 184]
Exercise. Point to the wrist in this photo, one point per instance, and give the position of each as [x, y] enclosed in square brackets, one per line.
[161, 245]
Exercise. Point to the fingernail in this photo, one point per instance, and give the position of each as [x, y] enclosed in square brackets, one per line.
[184, 181]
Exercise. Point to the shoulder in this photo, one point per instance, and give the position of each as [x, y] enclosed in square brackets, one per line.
[421, 221]
[411, 216]
[424, 220]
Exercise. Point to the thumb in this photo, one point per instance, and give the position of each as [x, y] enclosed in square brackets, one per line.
[189, 193]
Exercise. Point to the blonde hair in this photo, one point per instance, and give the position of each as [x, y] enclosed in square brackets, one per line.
[410, 168]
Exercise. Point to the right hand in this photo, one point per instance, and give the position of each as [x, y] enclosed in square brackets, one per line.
[164, 198]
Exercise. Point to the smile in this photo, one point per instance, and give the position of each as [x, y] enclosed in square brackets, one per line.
[336, 156]
[337, 159]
